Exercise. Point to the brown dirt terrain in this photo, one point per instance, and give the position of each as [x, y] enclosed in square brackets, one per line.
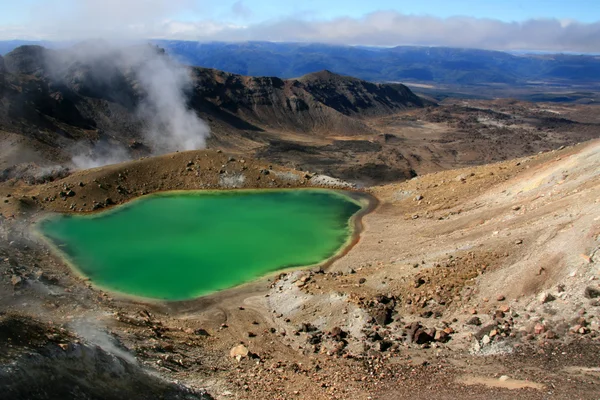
[465, 283]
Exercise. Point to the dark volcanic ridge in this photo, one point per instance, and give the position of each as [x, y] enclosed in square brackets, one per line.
[59, 97]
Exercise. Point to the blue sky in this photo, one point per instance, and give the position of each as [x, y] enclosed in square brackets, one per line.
[550, 25]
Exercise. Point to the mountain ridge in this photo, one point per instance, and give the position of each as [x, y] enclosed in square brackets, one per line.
[401, 63]
[96, 99]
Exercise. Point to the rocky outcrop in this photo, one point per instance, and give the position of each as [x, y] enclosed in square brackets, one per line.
[2, 76]
[26, 60]
[48, 363]
[352, 96]
[321, 102]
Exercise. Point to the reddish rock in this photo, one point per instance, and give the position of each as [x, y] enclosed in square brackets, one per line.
[538, 329]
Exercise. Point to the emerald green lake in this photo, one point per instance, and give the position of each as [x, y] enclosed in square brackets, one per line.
[181, 245]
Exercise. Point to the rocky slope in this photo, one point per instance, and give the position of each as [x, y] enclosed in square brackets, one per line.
[90, 101]
[477, 282]
[92, 93]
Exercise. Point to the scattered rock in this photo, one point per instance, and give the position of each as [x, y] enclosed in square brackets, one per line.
[485, 331]
[421, 336]
[441, 336]
[307, 327]
[337, 333]
[550, 335]
[546, 298]
[500, 298]
[239, 352]
[538, 329]
[591, 292]
[382, 315]
[474, 321]
[16, 280]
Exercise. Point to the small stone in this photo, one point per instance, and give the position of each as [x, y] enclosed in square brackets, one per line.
[591, 292]
[516, 208]
[550, 335]
[546, 298]
[418, 198]
[15, 280]
[362, 280]
[201, 332]
[239, 352]
[421, 337]
[503, 378]
[500, 298]
[519, 241]
[486, 340]
[474, 321]
[504, 308]
[539, 329]
[440, 336]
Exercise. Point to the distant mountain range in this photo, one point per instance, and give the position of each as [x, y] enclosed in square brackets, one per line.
[405, 63]
[440, 65]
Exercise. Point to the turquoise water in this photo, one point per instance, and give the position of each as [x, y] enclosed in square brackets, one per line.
[182, 245]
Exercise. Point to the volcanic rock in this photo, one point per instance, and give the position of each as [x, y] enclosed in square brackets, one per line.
[239, 352]
[591, 292]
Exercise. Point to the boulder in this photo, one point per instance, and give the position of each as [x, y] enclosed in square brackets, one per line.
[239, 352]
[422, 337]
[382, 315]
[546, 298]
[485, 331]
[591, 292]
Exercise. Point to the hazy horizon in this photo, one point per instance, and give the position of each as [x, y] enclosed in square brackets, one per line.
[511, 25]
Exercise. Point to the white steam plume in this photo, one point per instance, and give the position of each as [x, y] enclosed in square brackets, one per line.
[160, 86]
[173, 126]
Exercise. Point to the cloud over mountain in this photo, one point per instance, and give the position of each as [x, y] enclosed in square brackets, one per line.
[181, 19]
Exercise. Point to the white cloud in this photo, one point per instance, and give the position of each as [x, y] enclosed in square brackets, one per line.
[145, 19]
[240, 10]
